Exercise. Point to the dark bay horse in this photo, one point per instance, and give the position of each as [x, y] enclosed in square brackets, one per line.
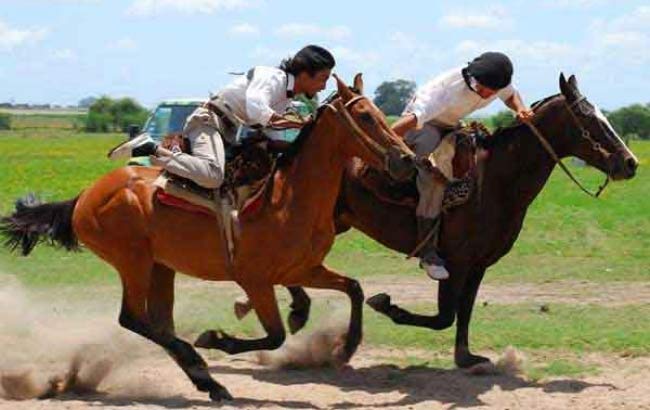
[477, 234]
[119, 219]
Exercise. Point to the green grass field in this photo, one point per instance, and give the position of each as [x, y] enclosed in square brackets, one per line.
[566, 236]
[26, 120]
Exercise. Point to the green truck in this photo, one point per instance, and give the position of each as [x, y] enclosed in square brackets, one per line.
[170, 115]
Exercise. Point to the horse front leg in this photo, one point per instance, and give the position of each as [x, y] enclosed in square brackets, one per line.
[300, 308]
[324, 278]
[462, 355]
[447, 304]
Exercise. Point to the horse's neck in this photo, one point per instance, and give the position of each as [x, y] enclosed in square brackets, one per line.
[311, 184]
[518, 168]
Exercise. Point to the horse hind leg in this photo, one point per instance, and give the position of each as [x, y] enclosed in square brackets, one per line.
[265, 305]
[298, 313]
[147, 311]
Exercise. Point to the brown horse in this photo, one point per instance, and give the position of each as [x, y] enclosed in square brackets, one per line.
[514, 169]
[119, 219]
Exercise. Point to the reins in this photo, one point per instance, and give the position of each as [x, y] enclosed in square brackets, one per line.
[344, 114]
[584, 133]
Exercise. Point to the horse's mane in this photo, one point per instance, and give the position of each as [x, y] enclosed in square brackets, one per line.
[289, 154]
[502, 135]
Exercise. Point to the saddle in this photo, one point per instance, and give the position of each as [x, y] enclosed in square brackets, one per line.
[248, 171]
[459, 190]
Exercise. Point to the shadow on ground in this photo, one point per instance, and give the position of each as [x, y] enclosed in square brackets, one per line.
[416, 383]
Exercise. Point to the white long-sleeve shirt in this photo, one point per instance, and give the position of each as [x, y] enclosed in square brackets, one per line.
[269, 91]
[447, 99]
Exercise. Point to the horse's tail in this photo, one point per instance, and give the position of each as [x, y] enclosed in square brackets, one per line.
[34, 221]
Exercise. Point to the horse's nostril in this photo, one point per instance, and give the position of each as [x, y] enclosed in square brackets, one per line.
[631, 164]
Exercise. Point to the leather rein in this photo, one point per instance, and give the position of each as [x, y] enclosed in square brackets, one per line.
[585, 134]
[343, 113]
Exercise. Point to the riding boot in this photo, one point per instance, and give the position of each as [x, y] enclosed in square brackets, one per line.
[428, 228]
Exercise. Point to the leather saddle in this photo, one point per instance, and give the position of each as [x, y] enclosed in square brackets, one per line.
[249, 170]
[459, 189]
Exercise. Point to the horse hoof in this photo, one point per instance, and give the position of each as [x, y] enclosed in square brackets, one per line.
[242, 307]
[297, 321]
[220, 394]
[379, 302]
[206, 340]
[475, 364]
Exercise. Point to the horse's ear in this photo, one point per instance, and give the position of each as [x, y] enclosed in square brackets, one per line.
[565, 88]
[358, 82]
[573, 82]
[343, 89]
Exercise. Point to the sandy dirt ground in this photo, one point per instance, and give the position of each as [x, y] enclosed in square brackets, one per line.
[125, 372]
[155, 382]
[422, 290]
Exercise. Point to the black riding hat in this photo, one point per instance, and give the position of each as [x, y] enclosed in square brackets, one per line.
[491, 69]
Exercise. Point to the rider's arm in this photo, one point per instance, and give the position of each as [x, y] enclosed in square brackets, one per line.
[406, 122]
[512, 99]
[428, 102]
[259, 94]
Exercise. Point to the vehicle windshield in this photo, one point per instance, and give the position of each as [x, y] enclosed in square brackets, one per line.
[168, 119]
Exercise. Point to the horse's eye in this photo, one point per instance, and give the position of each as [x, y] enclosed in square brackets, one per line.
[367, 118]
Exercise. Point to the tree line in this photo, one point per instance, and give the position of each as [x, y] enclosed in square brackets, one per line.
[106, 114]
[631, 122]
[113, 115]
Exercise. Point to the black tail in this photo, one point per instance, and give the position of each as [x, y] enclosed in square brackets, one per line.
[33, 222]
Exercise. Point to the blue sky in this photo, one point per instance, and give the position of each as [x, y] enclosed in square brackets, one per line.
[59, 51]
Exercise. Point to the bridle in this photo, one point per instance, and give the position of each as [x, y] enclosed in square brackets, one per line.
[343, 113]
[584, 134]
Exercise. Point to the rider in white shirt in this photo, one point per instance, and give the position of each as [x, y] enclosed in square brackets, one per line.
[436, 110]
[257, 99]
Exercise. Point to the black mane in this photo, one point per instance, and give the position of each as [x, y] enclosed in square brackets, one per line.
[502, 135]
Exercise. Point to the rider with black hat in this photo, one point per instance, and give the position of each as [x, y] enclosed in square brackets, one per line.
[434, 111]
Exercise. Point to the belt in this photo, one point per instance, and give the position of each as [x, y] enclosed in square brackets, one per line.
[217, 111]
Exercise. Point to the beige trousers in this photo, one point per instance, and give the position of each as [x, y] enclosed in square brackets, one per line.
[206, 165]
[428, 141]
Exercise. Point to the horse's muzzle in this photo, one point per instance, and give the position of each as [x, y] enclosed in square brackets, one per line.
[623, 166]
[400, 166]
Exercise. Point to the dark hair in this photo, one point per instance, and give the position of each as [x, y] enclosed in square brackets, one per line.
[491, 69]
[310, 59]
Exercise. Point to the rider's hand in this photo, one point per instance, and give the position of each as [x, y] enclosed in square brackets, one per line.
[525, 115]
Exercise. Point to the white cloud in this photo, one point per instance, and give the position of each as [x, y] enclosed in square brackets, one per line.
[574, 3]
[312, 30]
[10, 38]
[270, 56]
[64, 54]
[125, 44]
[625, 39]
[632, 39]
[533, 52]
[245, 29]
[151, 7]
[363, 59]
[493, 18]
